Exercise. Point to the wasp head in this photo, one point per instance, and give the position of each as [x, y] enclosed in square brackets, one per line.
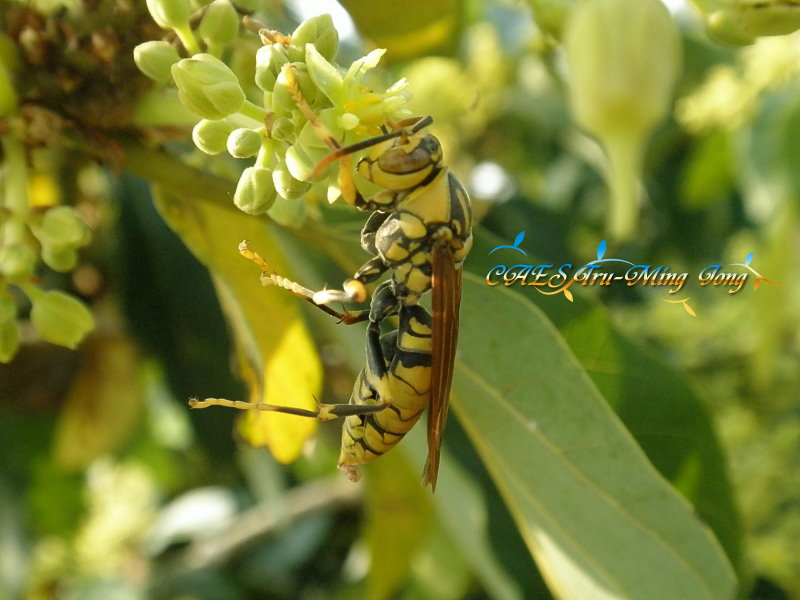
[403, 162]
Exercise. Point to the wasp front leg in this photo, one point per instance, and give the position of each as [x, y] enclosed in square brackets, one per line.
[270, 277]
[354, 289]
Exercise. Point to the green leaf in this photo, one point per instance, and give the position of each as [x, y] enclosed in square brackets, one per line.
[708, 177]
[398, 517]
[464, 513]
[656, 404]
[598, 518]
[664, 415]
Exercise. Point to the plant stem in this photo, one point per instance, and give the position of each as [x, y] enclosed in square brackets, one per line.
[624, 155]
[16, 189]
[186, 36]
[16, 179]
[253, 111]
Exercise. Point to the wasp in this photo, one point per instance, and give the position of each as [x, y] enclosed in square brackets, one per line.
[420, 231]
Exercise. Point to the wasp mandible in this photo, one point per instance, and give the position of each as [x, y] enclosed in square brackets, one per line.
[420, 230]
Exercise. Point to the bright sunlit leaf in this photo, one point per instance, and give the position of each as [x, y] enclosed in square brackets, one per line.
[275, 354]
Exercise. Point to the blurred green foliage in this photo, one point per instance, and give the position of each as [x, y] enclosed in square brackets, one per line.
[111, 488]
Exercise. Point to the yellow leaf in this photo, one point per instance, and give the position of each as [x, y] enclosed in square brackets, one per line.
[275, 354]
[284, 372]
[103, 405]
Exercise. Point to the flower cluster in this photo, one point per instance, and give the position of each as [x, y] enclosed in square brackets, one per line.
[29, 234]
[298, 80]
[742, 22]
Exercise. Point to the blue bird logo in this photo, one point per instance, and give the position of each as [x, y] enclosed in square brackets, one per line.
[514, 246]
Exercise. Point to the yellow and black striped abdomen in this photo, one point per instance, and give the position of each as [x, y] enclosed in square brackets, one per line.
[404, 386]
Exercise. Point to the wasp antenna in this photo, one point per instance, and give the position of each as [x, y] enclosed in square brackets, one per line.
[422, 123]
[343, 151]
[321, 165]
[297, 95]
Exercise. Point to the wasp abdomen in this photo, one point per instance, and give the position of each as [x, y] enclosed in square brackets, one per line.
[404, 387]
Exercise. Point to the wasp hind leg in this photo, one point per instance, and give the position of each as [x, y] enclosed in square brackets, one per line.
[324, 412]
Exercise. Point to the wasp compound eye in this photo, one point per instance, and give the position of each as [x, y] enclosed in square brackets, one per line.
[399, 160]
[432, 146]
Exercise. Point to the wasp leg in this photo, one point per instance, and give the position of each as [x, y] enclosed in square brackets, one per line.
[324, 412]
[384, 304]
[354, 288]
[370, 229]
[270, 277]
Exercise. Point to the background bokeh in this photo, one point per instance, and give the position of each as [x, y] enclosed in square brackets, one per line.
[110, 487]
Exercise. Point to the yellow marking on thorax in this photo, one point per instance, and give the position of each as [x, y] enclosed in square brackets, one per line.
[431, 202]
[411, 226]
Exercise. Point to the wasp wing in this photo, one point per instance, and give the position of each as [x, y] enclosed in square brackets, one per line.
[445, 302]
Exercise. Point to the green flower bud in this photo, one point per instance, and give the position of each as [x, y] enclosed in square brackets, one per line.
[283, 129]
[60, 318]
[60, 259]
[550, 15]
[624, 59]
[61, 228]
[211, 136]
[288, 212]
[299, 163]
[9, 329]
[244, 143]
[9, 54]
[255, 191]
[269, 60]
[8, 95]
[17, 262]
[155, 59]
[169, 14]
[219, 25]
[8, 309]
[318, 31]
[9, 340]
[207, 86]
[287, 186]
[741, 22]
